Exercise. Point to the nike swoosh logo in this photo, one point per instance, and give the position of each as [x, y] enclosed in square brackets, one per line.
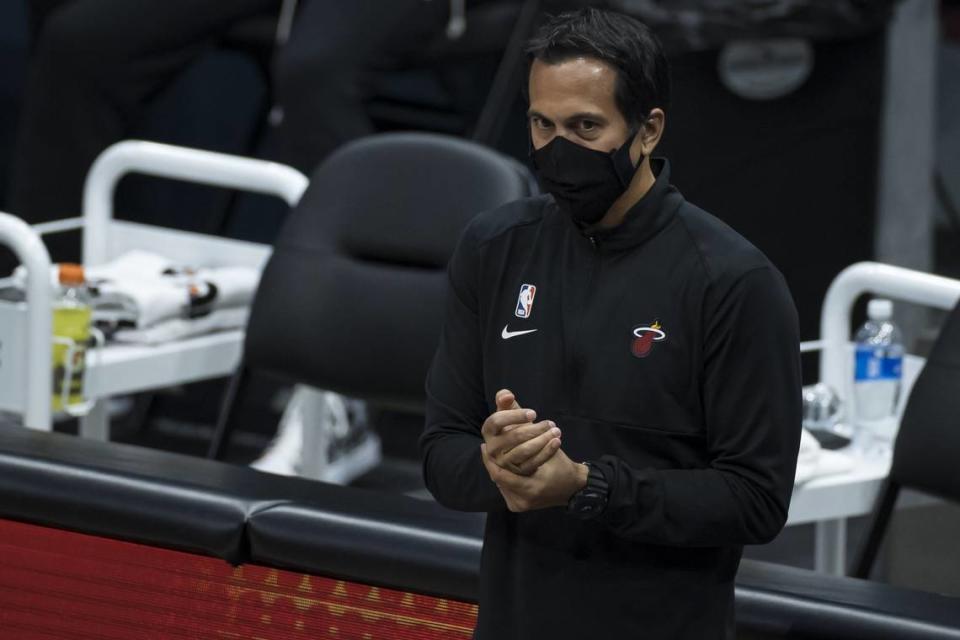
[506, 334]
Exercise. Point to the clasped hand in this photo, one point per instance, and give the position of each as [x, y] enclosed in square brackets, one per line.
[524, 458]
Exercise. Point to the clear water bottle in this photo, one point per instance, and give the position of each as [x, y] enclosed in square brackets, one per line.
[877, 372]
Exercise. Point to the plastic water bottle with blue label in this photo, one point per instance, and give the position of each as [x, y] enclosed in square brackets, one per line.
[877, 373]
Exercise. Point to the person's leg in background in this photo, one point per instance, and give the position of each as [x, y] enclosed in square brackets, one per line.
[319, 75]
[95, 64]
[37, 12]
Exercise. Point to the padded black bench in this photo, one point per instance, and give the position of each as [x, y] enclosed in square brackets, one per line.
[244, 516]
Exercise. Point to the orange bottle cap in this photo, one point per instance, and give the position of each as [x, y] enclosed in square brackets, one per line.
[71, 273]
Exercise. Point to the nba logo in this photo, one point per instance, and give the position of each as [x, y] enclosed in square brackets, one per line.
[525, 301]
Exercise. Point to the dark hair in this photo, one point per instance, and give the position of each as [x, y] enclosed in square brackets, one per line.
[625, 43]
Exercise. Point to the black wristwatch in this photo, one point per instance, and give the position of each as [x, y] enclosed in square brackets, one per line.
[590, 501]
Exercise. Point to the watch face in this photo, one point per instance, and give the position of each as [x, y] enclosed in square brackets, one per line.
[586, 508]
[592, 499]
[587, 503]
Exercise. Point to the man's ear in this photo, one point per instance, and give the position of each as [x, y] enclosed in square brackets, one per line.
[648, 137]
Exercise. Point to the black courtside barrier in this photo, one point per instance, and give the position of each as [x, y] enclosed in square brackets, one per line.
[302, 528]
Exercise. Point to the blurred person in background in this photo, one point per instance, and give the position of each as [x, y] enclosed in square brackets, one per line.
[320, 75]
[96, 65]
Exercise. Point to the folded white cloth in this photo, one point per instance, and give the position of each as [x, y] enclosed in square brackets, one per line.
[135, 264]
[157, 290]
[132, 289]
[814, 461]
[227, 286]
[180, 328]
[141, 289]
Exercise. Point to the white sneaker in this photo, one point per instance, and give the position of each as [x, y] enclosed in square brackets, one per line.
[337, 448]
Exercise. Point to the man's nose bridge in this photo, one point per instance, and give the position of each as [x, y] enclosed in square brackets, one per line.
[561, 132]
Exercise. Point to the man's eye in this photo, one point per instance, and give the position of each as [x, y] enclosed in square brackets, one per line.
[540, 123]
[588, 126]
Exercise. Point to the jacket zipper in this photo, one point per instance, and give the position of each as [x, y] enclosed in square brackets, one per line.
[579, 340]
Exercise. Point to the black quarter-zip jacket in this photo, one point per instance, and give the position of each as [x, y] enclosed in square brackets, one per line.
[666, 349]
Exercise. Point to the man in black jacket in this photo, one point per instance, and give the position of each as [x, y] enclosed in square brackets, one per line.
[659, 345]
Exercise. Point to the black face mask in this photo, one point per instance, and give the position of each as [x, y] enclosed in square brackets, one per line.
[583, 181]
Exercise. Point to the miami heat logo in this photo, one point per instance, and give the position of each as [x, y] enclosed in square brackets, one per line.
[644, 337]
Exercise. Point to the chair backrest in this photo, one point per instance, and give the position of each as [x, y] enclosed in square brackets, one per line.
[927, 450]
[352, 297]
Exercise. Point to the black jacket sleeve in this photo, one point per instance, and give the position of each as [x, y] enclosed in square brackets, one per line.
[450, 445]
[751, 397]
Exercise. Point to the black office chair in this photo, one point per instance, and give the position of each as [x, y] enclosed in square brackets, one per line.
[927, 447]
[351, 299]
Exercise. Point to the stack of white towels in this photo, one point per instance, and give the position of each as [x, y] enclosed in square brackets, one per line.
[151, 300]
[144, 298]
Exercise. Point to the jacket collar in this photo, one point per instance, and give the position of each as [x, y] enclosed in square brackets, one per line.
[646, 218]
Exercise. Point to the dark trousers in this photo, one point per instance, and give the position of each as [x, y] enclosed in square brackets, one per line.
[321, 76]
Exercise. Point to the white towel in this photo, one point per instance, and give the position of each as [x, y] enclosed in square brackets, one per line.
[134, 264]
[140, 300]
[814, 461]
[146, 289]
[142, 289]
[180, 328]
[234, 286]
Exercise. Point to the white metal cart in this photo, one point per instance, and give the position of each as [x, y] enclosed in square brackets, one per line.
[830, 500]
[25, 327]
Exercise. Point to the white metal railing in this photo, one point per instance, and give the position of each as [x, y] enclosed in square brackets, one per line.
[188, 165]
[38, 381]
[882, 280]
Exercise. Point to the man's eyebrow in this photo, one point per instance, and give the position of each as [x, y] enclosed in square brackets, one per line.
[581, 115]
[588, 115]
